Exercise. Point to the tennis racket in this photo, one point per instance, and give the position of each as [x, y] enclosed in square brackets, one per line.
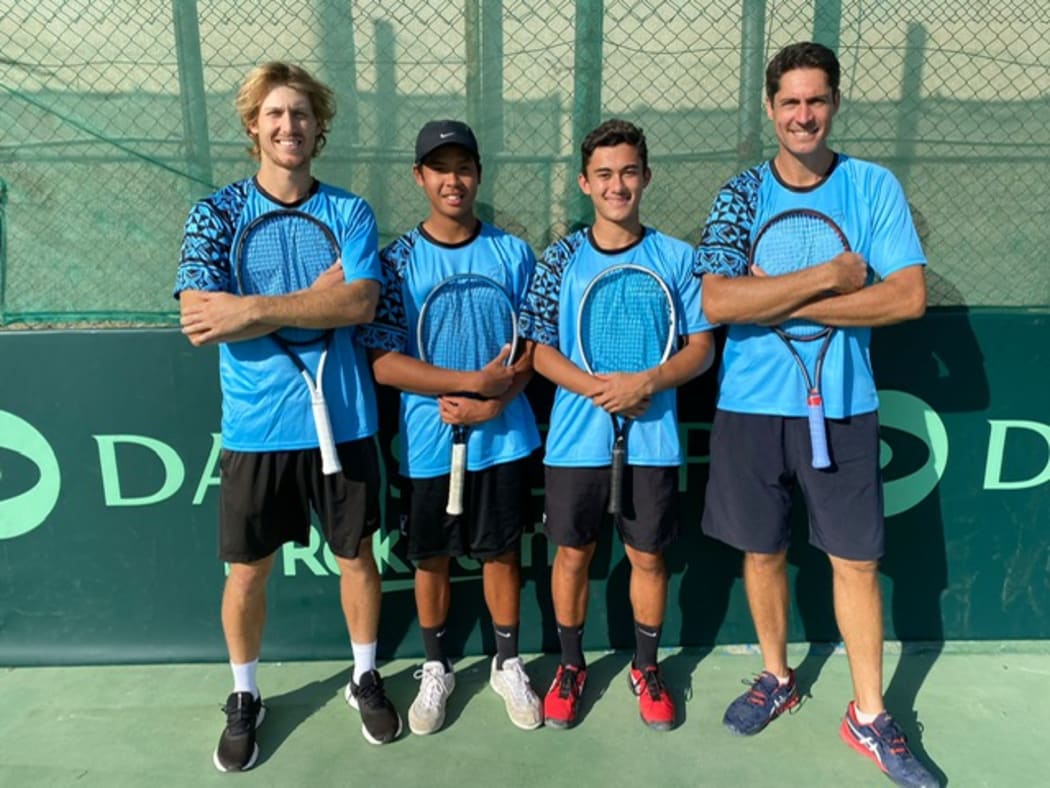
[792, 241]
[626, 323]
[281, 252]
[464, 323]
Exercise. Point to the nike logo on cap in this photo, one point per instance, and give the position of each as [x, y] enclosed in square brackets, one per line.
[446, 134]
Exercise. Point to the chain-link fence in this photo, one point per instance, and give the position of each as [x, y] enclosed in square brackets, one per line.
[116, 115]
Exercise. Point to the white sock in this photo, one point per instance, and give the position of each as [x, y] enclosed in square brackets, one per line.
[863, 717]
[783, 680]
[364, 658]
[244, 677]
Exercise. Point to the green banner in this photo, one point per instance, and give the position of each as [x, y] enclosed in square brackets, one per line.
[108, 510]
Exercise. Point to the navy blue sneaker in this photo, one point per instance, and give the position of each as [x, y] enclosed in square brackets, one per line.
[760, 705]
[884, 743]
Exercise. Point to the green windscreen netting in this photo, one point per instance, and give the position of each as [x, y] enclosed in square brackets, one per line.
[114, 116]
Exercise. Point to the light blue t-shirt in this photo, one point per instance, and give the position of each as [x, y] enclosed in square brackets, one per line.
[412, 266]
[581, 433]
[265, 401]
[758, 374]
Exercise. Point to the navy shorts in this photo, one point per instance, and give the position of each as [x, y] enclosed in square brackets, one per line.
[497, 506]
[265, 499]
[577, 499]
[756, 460]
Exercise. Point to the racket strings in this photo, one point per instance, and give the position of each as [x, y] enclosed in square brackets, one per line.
[465, 325]
[283, 253]
[795, 243]
[625, 322]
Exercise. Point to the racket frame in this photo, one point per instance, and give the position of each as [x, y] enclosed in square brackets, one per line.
[330, 463]
[818, 437]
[621, 424]
[460, 432]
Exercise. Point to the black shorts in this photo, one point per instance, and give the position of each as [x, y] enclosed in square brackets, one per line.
[497, 506]
[577, 499]
[265, 500]
[755, 462]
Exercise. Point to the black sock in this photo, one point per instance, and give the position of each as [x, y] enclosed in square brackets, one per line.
[506, 643]
[432, 647]
[646, 644]
[571, 639]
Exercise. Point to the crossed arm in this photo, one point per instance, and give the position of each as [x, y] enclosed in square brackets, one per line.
[496, 383]
[833, 293]
[209, 317]
[626, 392]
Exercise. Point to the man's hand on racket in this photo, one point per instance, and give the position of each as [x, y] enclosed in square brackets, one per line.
[331, 277]
[468, 411]
[624, 393]
[848, 272]
[494, 378]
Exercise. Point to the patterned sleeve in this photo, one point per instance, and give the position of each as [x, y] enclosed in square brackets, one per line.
[539, 313]
[726, 239]
[389, 329]
[204, 260]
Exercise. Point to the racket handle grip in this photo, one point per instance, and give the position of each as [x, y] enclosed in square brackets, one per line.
[619, 458]
[330, 464]
[818, 434]
[456, 477]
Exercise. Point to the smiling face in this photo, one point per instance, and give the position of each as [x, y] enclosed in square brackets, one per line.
[449, 177]
[285, 129]
[614, 179]
[802, 110]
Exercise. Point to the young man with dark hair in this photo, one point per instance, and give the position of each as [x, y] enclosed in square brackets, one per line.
[453, 241]
[614, 174]
[271, 473]
[760, 444]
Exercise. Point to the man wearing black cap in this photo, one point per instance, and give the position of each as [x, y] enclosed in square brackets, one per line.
[453, 241]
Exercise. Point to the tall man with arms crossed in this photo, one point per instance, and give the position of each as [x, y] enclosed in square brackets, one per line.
[760, 445]
[270, 468]
[452, 241]
[614, 173]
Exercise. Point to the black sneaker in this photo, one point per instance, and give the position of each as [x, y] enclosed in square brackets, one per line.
[237, 750]
[380, 722]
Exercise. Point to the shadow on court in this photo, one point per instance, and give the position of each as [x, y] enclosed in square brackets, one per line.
[287, 711]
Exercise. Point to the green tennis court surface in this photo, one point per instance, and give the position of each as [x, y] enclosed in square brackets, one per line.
[976, 710]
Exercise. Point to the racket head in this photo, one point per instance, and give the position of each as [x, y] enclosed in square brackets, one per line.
[465, 321]
[626, 321]
[280, 252]
[793, 241]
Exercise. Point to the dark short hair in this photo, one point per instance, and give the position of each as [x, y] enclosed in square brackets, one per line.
[610, 133]
[804, 54]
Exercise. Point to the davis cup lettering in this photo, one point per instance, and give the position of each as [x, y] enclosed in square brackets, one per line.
[993, 469]
[27, 499]
[23, 511]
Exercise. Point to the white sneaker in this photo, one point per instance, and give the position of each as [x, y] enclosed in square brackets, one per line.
[512, 684]
[427, 713]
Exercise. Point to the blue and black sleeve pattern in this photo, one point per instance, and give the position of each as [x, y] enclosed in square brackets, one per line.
[389, 329]
[726, 239]
[539, 313]
[207, 242]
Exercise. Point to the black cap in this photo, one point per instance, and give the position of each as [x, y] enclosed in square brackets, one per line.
[438, 133]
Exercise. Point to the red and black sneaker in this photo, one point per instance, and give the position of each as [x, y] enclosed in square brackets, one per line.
[654, 701]
[563, 697]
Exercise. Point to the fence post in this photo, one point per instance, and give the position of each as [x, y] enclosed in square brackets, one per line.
[752, 71]
[911, 100]
[193, 97]
[587, 92]
[3, 249]
[827, 23]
